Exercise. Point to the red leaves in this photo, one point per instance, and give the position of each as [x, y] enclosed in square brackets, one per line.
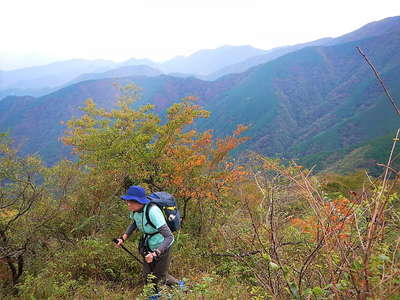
[334, 220]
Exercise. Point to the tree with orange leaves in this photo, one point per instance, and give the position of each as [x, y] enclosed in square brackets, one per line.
[135, 146]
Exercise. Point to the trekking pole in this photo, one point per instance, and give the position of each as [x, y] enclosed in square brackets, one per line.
[123, 247]
[137, 259]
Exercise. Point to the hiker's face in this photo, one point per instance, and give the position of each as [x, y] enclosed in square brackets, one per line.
[134, 206]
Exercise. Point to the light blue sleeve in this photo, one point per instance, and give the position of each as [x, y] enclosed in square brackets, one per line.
[156, 216]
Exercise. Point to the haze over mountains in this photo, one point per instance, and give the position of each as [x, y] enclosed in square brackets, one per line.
[204, 64]
[37, 81]
[316, 101]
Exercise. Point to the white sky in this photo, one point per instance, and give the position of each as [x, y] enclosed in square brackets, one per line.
[162, 29]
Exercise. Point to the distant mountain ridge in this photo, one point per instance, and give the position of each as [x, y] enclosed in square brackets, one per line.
[51, 75]
[320, 104]
[370, 30]
[56, 75]
[204, 64]
[387, 25]
[262, 59]
[125, 71]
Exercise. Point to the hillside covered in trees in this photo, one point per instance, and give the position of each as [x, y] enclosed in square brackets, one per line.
[317, 103]
[253, 227]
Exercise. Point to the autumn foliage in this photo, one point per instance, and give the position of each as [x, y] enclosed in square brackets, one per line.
[253, 227]
[316, 245]
[136, 146]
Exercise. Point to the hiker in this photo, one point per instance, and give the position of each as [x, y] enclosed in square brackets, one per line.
[155, 244]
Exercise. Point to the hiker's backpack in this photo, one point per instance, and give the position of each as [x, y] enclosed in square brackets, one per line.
[167, 203]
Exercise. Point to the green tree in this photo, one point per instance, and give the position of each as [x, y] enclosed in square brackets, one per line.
[135, 146]
[23, 209]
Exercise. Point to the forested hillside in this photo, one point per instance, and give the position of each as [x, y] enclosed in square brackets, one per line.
[315, 101]
[317, 104]
[38, 124]
[252, 228]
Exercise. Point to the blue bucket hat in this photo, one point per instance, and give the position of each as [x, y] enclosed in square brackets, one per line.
[136, 193]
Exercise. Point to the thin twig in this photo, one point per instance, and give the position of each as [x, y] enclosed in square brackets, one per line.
[380, 80]
[252, 221]
[240, 255]
[390, 168]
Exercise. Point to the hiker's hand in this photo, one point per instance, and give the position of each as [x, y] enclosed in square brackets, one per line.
[150, 257]
[120, 242]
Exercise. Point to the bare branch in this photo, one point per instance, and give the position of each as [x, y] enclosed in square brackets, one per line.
[241, 255]
[380, 80]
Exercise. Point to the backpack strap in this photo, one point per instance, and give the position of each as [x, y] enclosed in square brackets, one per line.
[147, 236]
[144, 241]
[147, 213]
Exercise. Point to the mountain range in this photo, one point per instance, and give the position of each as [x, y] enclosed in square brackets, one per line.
[38, 81]
[316, 102]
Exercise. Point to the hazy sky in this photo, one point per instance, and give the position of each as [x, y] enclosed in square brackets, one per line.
[159, 30]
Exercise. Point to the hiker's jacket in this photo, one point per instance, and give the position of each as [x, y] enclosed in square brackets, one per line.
[162, 237]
